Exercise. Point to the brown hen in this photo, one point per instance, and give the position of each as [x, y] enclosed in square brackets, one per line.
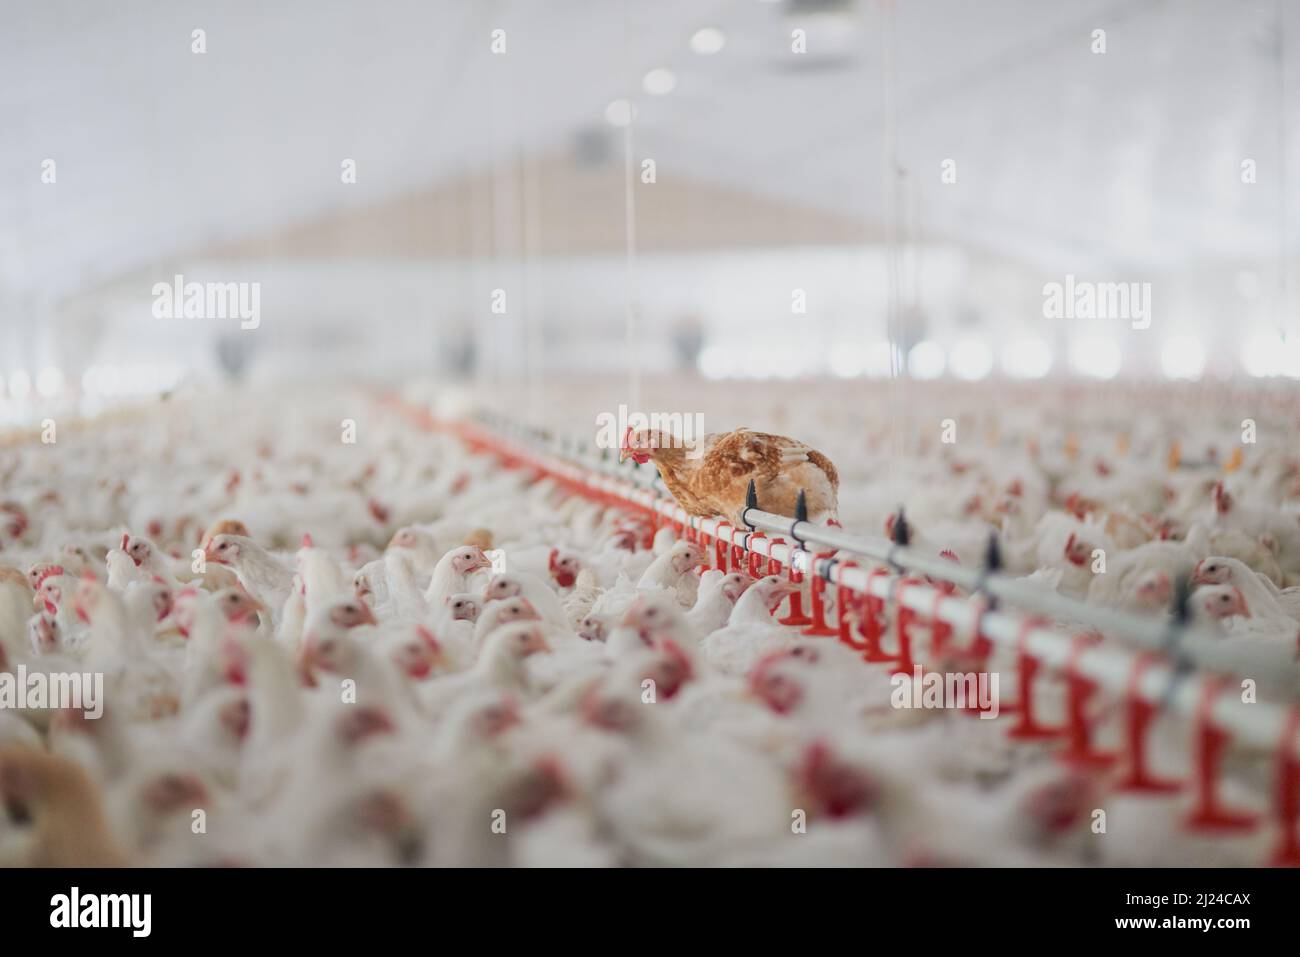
[712, 477]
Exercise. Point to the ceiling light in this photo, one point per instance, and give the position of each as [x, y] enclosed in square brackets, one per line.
[20, 384]
[708, 40]
[618, 113]
[1027, 358]
[1183, 357]
[659, 82]
[49, 382]
[925, 360]
[1096, 356]
[971, 359]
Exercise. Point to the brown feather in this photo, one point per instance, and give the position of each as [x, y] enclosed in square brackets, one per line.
[714, 483]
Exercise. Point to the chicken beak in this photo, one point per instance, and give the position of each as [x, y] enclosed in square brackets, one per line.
[779, 593]
[684, 563]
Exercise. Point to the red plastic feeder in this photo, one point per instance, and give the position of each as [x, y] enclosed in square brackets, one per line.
[1027, 726]
[1079, 689]
[755, 558]
[1209, 814]
[1287, 853]
[737, 551]
[872, 626]
[796, 616]
[773, 565]
[817, 592]
[904, 618]
[845, 600]
[1138, 714]
[940, 630]
[720, 549]
[976, 655]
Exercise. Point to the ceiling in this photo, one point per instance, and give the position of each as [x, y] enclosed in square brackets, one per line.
[1127, 160]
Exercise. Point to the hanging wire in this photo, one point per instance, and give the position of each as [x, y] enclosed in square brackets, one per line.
[1284, 262]
[495, 204]
[532, 226]
[889, 156]
[631, 299]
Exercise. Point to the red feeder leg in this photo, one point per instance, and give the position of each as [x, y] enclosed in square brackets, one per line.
[844, 600]
[774, 566]
[1287, 853]
[1209, 814]
[1027, 726]
[720, 549]
[753, 566]
[873, 626]
[904, 617]
[817, 591]
[1080, 751]
[796, 616]
[737, 552]
[1138, 714]
[940, 630]
[977, 654]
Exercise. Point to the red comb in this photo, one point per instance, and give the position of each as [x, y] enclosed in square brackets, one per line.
[627, 438]
[306, 540]
[52, 570]
[126, 538]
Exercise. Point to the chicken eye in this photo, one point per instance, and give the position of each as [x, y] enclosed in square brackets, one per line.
[652, 612]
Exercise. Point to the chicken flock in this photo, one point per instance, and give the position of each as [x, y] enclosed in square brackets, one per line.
[400, 651]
